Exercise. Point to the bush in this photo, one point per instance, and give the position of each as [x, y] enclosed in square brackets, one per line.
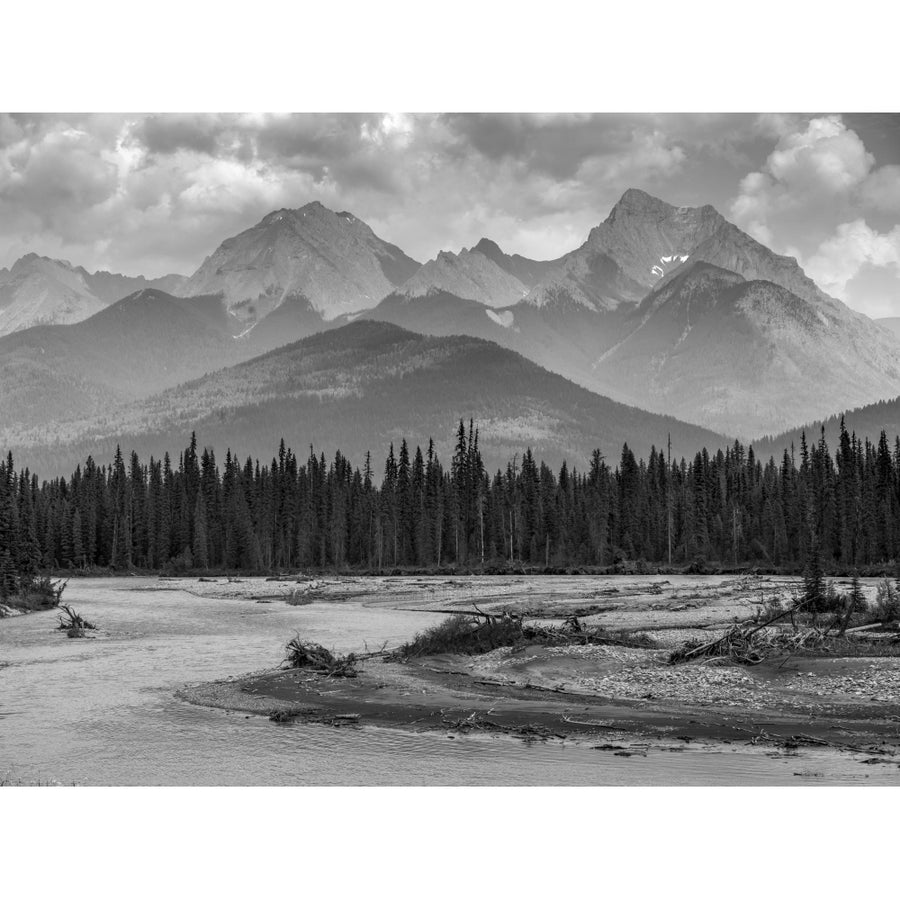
[887, 602]
[36, 593]
[466, 635]
[469, 636]
[298, 597]
[697, 566]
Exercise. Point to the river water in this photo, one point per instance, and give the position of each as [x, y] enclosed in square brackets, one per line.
[103, 711]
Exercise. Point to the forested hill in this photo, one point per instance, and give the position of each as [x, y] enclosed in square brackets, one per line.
[359, 387]
[866, 422]
[192, 510]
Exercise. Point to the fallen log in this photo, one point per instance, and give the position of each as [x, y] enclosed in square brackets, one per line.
[859, 628]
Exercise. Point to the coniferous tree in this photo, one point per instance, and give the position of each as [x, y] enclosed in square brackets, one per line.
[727, 506]
[201, 538]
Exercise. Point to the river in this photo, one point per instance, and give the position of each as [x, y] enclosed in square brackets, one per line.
[103, 711]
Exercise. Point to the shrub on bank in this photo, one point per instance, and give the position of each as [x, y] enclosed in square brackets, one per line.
[34, 593]
[465, 635]
[470, 636]
[887, 602]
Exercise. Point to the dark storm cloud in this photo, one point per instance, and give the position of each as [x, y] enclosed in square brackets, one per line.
[168, 133]
[556, 144]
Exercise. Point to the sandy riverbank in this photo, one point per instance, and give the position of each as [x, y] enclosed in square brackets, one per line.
[617, 699]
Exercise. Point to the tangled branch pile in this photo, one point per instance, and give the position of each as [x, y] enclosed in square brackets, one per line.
[573, 633]
[73, 624]
[736, 644]
[793, 641]
[308, 655]
[471, 634]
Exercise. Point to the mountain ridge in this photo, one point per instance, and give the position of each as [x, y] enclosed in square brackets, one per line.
[39, 290]
[364, 384]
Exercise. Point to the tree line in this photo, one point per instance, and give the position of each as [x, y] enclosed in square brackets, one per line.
[841, 509]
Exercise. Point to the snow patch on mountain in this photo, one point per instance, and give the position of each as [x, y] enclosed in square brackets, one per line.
[505, 318]
[667, 263]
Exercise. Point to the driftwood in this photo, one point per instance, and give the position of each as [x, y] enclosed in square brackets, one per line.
[283, 716]
[72, 623]
[308, 655]
[737, 643]
[453, 612]
[864, 628]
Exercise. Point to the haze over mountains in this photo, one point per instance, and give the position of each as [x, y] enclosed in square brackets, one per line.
[673, 310]
[41, 291]
[361, 386]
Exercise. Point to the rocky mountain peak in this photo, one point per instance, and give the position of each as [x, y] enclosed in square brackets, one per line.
[469, 274]
[332, 260]
[34, 262]
[637, 202]
[489, 248]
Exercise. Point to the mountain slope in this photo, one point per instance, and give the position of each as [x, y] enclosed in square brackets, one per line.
[142, 344]
[626, 255]
[332, 261]
[730, 248]
[109, 287]
[742, 356]
[528, 271]
[38, 290]
[468, 274]
[565, 341]
[891, 323]
[360, 386]
[867, 422]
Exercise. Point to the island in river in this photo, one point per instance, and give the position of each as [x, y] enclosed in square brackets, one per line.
[624, 700]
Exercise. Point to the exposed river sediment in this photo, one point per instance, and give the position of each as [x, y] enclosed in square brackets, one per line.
[105, 710]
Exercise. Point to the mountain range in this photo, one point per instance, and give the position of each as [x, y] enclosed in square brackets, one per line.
[621, 316]
[37, 290]
[670, 311]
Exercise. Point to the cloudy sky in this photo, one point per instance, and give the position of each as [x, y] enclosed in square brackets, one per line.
[150, 194]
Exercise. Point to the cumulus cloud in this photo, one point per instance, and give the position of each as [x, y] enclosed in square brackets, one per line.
[812, 167]
[881, 191]
[841, 257]
[812, 199]
[152, 193]
[817, 169]
[157, 193]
